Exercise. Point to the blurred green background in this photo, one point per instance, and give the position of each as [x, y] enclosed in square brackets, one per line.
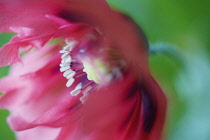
[179, 35]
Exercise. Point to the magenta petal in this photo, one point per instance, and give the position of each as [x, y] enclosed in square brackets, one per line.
[63, 114]
[9, 54]
[153, 91]
[39, 133]
[106, 111]
[61, 21]
[25, 13]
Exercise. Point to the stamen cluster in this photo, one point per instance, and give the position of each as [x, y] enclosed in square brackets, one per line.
[73, 71]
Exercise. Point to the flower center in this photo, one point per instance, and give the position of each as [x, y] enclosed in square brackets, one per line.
[86, 71]
[96, 70]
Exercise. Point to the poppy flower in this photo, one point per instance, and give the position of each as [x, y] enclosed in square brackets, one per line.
[83, 73]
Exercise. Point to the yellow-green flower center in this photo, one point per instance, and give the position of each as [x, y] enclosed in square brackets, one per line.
[96, 69]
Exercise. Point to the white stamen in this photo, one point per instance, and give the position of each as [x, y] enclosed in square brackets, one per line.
[77, 90]
[85, 91]
[64, 55]
[66, 73]
[63, 51]
[70, 75]
[70, 82]
[66, 48]
[62, 69]
[79, 86]
[71, 44]
[65, 64]
[66, 59]
[83, 99]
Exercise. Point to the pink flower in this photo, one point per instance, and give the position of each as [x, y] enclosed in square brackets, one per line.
[83, 73]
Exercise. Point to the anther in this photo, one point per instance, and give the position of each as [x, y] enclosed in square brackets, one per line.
[66, 73]
[65, 54]
[70, 82]
[62, 69]
[63, 51]
[65, 64]
[70, 44]
[71, 75]
[66, 59]
[77, 90]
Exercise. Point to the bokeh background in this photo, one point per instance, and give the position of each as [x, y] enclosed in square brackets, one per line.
[179, 35]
